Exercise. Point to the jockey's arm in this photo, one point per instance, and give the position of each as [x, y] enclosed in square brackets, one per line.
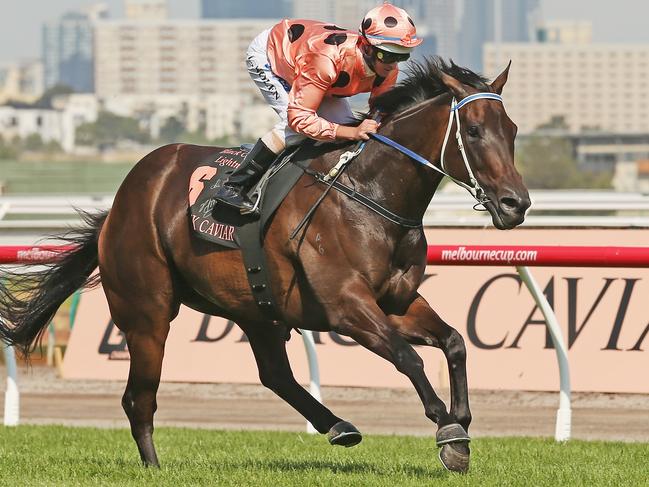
[316, 74]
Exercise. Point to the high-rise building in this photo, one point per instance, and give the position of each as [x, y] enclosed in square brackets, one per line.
[67, 49]
[315, 10]
[162, 68]
[145, 9]
[493, 21]
[435, 21]
[517, 20]
[239, 9]
[565, 32]
[174, 57]
[347, 14]
[476, 28]
[583, 87]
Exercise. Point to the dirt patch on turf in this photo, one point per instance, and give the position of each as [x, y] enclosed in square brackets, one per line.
[47, 399]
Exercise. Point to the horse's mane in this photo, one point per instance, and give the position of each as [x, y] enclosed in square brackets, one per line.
[423, 82]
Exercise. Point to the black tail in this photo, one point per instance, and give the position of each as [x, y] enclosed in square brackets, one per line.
[28, 300]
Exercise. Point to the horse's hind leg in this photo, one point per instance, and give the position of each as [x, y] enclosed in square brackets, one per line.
[269, 346]
[143, 311]
[139, 400]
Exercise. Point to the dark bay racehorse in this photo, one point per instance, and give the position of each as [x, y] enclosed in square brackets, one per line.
[351, 270]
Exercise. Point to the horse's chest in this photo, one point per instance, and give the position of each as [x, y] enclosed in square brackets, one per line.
[406, 272]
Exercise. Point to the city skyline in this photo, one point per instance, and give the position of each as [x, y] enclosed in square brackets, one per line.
[20, 32]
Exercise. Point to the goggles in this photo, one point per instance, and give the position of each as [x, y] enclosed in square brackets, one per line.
[387, 57]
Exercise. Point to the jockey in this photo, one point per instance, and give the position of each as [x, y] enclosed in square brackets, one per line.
[304, 70]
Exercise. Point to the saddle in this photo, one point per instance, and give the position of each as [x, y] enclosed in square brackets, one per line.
[221, 225]
[227, 227]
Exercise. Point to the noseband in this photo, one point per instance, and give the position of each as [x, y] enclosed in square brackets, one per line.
[473, 187]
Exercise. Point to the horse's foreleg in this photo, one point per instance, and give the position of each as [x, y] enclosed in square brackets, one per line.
[358, 315]
[269, 347]
[422, 326]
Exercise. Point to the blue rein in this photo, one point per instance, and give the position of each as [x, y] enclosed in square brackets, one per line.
[474, 187]
[413, 155]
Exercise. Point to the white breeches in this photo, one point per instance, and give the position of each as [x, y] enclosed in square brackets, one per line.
[275, 91]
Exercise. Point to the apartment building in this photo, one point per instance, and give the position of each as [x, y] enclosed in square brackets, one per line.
[174, 57]
[592, 87]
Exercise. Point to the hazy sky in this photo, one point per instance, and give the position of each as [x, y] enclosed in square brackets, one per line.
[21, 20]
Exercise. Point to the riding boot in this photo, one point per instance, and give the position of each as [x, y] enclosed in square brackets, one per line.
[233, 192]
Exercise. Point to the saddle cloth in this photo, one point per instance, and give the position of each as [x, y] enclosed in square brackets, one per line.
[211, 173]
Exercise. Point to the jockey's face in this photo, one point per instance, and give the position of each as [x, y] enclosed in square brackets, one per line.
[383, 69]
[382, 62]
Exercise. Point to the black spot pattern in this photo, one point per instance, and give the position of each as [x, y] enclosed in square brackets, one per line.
[333, 27]
[340, 96]
[336, 39]
[378, 80]
[390, 21]
[343, 80]
[295, 32]
[410, 20]
[366, 24]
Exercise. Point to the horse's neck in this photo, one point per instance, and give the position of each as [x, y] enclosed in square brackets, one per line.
[404, 185]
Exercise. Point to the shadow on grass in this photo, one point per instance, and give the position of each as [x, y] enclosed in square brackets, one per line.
[287, 465]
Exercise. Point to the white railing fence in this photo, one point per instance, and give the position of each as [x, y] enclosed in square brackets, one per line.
[549, 209]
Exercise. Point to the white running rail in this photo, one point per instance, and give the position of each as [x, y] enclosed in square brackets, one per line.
[559, 208]
[12, 396]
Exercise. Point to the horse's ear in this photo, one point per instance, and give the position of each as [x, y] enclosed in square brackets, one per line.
[499, 82]
[458, 89]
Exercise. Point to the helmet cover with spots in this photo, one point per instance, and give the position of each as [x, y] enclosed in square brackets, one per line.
[390, 28]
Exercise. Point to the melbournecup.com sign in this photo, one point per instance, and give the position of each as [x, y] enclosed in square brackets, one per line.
[602, 313]
[488, 255]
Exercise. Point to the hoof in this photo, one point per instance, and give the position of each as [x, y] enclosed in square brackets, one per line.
[344, 434]
[452, 433]
[455, 452]
[455, 457]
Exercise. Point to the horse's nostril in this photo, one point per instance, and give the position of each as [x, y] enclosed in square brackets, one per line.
[510, 203]
[513, 203]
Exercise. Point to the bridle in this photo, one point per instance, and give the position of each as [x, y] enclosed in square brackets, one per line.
[473, 187]
[331, 178]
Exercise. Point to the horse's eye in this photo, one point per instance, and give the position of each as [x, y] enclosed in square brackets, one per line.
[473, 131]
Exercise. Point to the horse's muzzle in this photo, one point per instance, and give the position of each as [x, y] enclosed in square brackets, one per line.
[510, 209]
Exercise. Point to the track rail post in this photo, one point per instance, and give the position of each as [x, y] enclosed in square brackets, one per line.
[12, 396]
[314, 371]
[564, 413]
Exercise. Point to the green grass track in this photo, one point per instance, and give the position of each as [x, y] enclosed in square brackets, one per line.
[66, 178]
[53, 455]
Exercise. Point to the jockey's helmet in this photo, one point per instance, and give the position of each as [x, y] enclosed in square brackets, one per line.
[390, 28]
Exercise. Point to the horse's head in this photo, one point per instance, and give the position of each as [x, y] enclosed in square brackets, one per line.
[488, 134]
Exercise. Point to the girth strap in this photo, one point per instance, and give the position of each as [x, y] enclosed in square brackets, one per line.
[254, 261]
